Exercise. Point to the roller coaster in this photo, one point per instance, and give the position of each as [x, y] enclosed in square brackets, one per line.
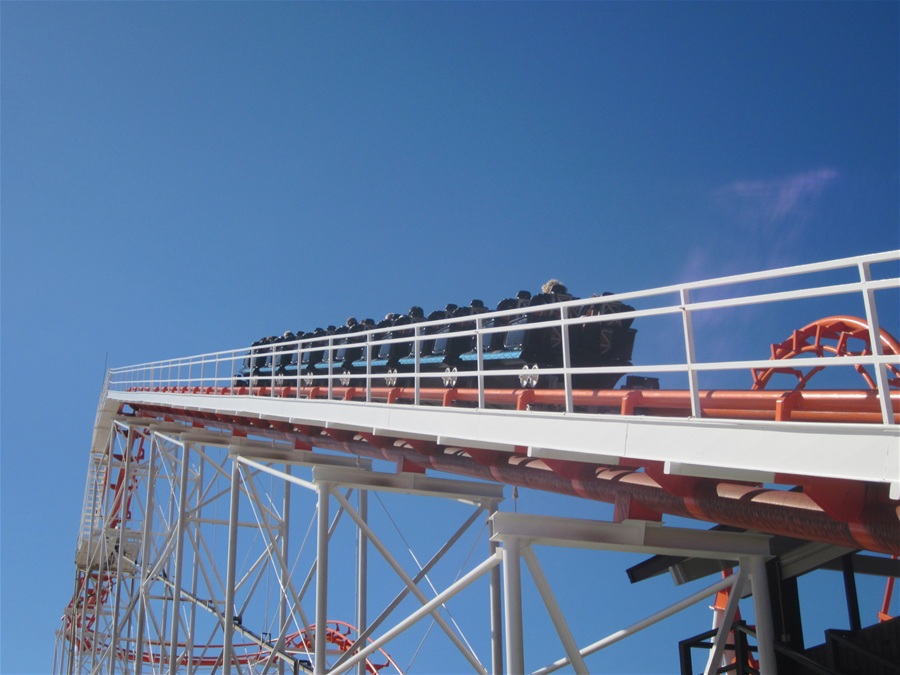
[448, 345]
[793, 459]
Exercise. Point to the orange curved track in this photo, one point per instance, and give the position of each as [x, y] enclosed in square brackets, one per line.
[829, 336]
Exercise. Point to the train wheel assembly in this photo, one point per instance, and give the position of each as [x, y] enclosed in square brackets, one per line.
[529, 377]
[450, 377]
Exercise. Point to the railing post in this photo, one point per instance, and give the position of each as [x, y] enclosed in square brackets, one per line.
[881, 376]
[272, 360]
[416, 382]
[479, 350]
[299, 367]
[566, 357]
[368, 366]
[690, 352]
[330, 355]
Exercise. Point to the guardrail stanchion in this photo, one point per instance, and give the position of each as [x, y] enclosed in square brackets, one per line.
[416, 381]
[368, 366]
[330, 356]
[479, 351]
[881, 374]
[690, 352]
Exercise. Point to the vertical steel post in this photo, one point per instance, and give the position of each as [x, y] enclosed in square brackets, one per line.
[74, 636]
[322, 580]
[195, 568]
[765, 633]
[230, 565]
[143, 604]
[512, 592]
[121, 499]
[496, 610]
[362, 572]
[179, 556]
[283, 611]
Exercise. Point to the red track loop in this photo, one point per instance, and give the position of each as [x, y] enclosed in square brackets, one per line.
[828, 336]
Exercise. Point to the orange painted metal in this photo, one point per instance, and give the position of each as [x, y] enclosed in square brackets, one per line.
[830, 335]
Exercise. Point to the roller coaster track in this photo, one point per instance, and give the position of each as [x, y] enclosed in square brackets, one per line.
[809, 449]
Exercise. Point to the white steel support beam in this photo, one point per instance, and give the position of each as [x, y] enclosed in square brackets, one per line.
[283, 610]
[512, 596]
[496, 610]
[724, 622]
[642, 624]
[143, 589]
[765, 633]
[364, 634]
[630, 536]
[518, 531]
[231, 564]
[362, 567]
[181, 526]
[320, 663]
[121, 498]
[556, 615]
[430, 607]
[410, 584]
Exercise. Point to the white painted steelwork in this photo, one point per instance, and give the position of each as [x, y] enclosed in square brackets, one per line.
[214, 583]
[195, 563]
[735, 449]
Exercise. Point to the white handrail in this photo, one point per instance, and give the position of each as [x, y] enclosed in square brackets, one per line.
[668, 302]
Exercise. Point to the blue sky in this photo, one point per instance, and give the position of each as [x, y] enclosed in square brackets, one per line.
[180, 178]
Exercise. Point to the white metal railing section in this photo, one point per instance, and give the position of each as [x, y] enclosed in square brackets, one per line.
[683, 330]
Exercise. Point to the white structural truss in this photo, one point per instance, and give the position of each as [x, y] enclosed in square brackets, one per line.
[239, 521]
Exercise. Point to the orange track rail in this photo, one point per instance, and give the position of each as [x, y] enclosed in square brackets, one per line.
[850, 406]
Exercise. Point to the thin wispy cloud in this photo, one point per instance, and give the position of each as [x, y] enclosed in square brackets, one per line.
[789, 200]
[758, 223]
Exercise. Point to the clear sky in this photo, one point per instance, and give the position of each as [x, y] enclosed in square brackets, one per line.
[180, 178]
